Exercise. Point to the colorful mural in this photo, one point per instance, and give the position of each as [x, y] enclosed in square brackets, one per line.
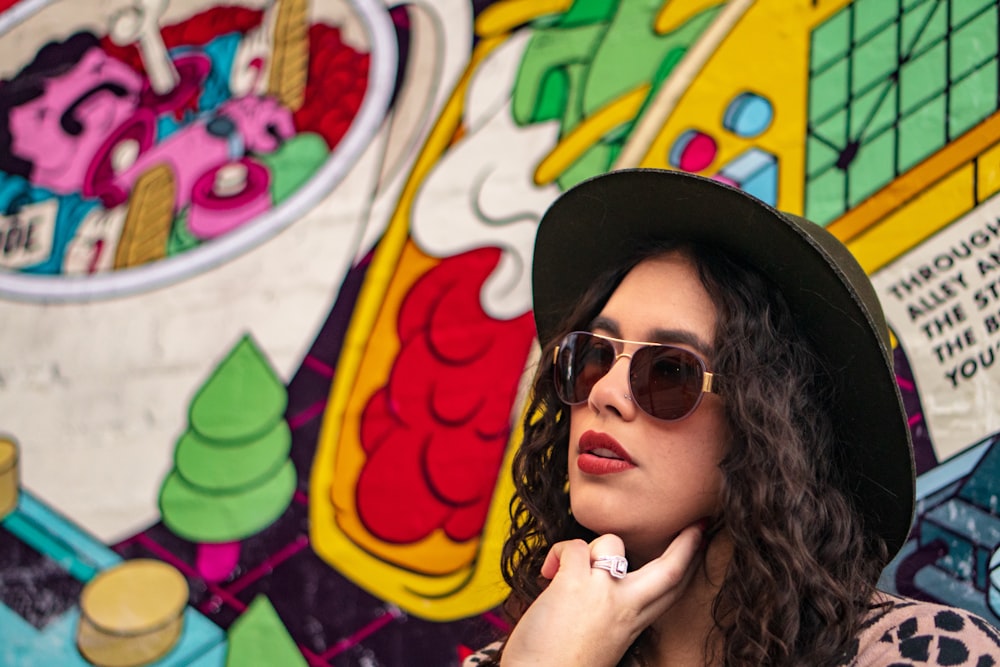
[264, 290]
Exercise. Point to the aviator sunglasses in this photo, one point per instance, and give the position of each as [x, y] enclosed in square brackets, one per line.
[665, 381]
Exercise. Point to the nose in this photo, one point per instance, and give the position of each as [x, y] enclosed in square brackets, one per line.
[612, 393]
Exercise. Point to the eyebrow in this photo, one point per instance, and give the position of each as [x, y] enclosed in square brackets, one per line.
[656, 335]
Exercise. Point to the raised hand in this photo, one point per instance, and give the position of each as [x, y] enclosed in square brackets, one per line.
[589, 618]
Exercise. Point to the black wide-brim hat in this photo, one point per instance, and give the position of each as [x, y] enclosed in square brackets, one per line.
[599, 224]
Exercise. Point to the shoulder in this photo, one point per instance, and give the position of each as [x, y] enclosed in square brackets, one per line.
[482, 654]
[904, 631]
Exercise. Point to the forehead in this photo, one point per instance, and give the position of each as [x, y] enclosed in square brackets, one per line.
[659, 299]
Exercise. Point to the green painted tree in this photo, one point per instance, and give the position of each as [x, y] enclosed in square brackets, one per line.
[232, 476]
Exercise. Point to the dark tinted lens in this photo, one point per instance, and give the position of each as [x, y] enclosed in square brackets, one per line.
[583, 360]
[666, 381]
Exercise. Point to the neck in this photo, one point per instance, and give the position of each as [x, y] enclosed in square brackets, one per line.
[686, 634]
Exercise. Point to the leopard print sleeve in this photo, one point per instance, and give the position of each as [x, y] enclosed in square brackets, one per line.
[482, 655]
[901, 633]
[908, 633]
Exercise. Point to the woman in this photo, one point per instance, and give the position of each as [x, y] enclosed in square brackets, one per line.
[716, 465]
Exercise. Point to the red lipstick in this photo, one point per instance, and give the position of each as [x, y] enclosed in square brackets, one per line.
[600, 454]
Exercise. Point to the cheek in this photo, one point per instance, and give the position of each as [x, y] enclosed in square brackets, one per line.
[691, 454]
[717, 442]
[711, 423]
[716, 447]
[576, 418]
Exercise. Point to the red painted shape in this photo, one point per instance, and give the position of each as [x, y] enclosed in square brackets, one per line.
[436, 433]
[195, 31]
[699, 152]
[337, 79]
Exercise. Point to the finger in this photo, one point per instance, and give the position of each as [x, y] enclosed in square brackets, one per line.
[607, 545]
[573, 554]
[672, 569]
[679, 554]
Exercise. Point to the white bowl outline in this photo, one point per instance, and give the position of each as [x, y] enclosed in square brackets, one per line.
[383, 61]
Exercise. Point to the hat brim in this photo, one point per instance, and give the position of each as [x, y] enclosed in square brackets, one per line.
[601, 223]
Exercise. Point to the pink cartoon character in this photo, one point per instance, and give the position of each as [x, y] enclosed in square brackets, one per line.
[76, 121]
[61, 109]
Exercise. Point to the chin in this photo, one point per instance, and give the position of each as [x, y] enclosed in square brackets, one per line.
[596, 522]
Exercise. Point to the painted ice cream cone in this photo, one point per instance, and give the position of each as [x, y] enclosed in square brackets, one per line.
[150, 215]
[408, 496]
[290, 57]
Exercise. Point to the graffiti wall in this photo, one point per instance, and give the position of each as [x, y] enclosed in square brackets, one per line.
[265, 318]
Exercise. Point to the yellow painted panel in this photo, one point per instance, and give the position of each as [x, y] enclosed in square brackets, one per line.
[988, 173]
[767, 52]
[501, 17]
[911, 184]
[673, 15]
[914, 222]
[472, 583]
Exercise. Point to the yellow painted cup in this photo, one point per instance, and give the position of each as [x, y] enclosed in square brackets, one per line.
[132, 614]
[9, 476]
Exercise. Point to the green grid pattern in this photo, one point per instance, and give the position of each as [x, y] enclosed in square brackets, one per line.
[891, 82]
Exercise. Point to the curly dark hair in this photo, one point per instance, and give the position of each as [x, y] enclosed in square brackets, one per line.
[803, 568]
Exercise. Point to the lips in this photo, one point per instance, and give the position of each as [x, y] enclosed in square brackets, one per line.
[600, 454]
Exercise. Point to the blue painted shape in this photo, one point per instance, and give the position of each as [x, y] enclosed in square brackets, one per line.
[970, 534]
[201, 644]
[951, 470]
[993, 597]
[982, 488]
[677, 150]
[944, 587]
[56, 537]
[44, 542]
[934, 487]
[748, 115]
[764, 185]
[748, 163]
[756, 172]
[214, 657]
